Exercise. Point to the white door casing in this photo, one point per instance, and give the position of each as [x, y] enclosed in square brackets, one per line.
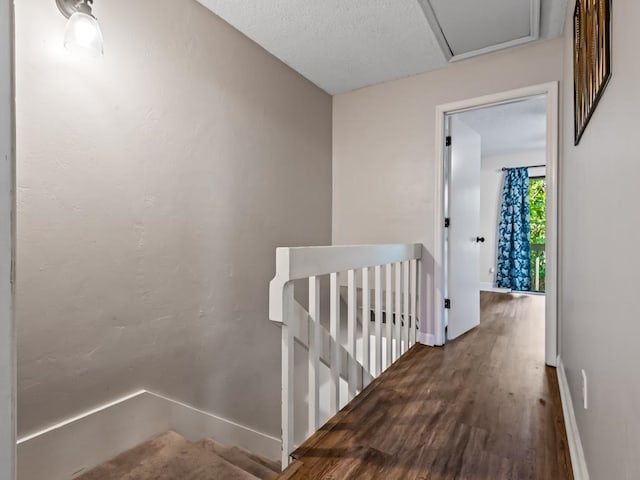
[463, 251]
[7, 176]
[436, 326]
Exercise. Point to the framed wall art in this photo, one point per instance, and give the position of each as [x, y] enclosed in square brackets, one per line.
[591, 58]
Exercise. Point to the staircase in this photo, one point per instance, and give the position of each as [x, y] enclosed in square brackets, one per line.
[342, 351]
[170, 456]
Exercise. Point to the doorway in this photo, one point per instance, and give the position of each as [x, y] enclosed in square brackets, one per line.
[494, 182]
[459, 247]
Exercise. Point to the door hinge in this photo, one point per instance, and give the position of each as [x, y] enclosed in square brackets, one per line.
[447, 141]
[447, 303]
[447, 222]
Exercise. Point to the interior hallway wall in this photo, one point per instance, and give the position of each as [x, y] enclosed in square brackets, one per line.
[491, 183]
[599, 231]
[153, 187]
[383, 142]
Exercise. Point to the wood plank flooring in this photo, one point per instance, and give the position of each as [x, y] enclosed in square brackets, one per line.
[483, 407]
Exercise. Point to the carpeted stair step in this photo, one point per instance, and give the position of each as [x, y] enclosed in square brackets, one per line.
[240, 458]
[270, 464]
[168, 456]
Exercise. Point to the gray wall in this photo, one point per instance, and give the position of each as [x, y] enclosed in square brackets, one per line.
[7, 338]
[153, 187]
[599, 231]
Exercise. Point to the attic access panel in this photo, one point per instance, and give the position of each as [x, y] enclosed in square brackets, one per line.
[467, 28]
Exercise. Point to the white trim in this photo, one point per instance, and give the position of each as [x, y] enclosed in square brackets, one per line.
[490, 287]
[494, 48]
[553, 201]
[432, 19]
[195, 424]
[75, 445]
[578, 461]
[71, 447]
[551, 91]
[7, 245]
[427, 339]
[79, 417]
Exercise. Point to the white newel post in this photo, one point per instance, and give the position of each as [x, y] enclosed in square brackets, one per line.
[288, 367]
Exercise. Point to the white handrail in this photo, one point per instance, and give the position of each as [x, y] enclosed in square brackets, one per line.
[324, 346]
[295, 263]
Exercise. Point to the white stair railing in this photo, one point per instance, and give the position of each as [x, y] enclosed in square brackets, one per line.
[400, 267]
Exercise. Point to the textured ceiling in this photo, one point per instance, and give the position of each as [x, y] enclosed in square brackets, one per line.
[511, 127]
[342, 45]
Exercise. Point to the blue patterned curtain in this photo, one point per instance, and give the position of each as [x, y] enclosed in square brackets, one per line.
[514, 232]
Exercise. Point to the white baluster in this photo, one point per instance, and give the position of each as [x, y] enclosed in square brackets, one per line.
[366, 320]
[405, 308]
[378, 318]
[315, 347]
[334, 331]
[352, 310]
[414, 301]
[389, 311]
[398, 316]
[287, 375]
[420, 308]
[325, 347]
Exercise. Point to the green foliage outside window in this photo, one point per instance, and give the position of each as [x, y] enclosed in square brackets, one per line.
[538, 220]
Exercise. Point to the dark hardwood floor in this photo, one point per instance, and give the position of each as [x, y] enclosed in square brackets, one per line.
[483, 407]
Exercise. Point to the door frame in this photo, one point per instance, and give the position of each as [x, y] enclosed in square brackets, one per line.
[7, 242]
[551, 90]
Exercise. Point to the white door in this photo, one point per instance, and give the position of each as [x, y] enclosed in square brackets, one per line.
[463, 238]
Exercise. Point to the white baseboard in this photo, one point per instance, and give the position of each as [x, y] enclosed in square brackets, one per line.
[427, 339]
[65, 450]
[79, 443]
[578, 461]
[195, 424]
[490, 287]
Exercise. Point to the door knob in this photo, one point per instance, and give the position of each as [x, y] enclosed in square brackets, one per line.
[480, 239]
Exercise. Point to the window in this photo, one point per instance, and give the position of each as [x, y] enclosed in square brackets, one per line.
[537, 204]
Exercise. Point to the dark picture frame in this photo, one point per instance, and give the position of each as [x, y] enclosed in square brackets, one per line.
[591, 59]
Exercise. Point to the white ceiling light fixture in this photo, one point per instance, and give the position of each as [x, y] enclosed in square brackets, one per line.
[82, 35]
